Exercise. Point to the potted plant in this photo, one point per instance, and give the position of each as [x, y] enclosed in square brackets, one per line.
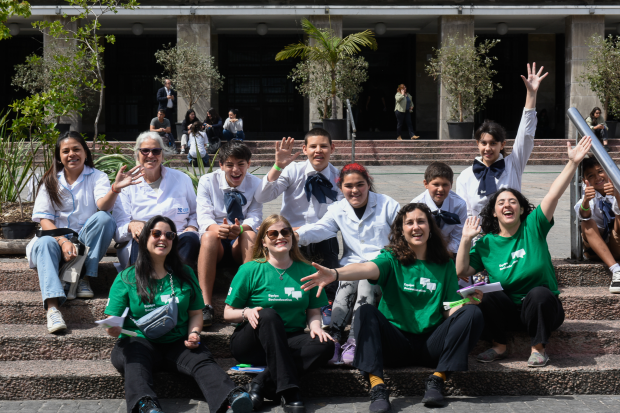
[329, 69]
[466, 74]
[601, 74]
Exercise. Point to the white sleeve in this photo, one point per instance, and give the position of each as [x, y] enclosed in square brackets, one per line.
[268, 191]
[325, 228]
[461, 189]
[254, 214]
[614, 206]
[102, 185]
[226, 124]
[457, 232]
[524, 142]
[578, 210]
[122, 215]
[192, 218]
[393, 211]
[204, 207]
[240, 125]
[43, 207]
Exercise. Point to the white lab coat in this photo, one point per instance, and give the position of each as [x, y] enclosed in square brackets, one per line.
[295, 205]
[597, 214]
[467, 184]
[363, 238]
[455, 204]
[79, 202]
[211, 207]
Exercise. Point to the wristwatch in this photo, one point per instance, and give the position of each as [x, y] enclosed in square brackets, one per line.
[194, 332]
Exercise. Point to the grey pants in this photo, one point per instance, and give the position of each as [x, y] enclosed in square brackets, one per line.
[351, 295]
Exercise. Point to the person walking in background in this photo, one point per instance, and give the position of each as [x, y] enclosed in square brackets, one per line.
[233, 127]
[597, 124]
[162, 126]
[403, 109]
[167, 100]
[190, 118]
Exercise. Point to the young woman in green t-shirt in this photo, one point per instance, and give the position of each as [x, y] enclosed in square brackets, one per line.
[266, 298]
[411, 326]
[515, 253]
[158, 277]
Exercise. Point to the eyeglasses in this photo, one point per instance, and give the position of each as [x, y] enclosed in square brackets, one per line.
[155, 233]
[273, 234]
[146, 151]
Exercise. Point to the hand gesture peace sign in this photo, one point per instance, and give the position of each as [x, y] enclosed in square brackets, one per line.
[533, 80]
[284, 150]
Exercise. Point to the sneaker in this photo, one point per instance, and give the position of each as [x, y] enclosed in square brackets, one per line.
[208, 314]
[84, 290]
[348, 351]
[399, 138]
[148, 405]
[240, 401]
[337, 353]
[606, 148]
[379, 399]
[614, 287]
[433, 396]
[537, 360]
[326, 316]
[415, 137]
[54, 321]
[182, 150]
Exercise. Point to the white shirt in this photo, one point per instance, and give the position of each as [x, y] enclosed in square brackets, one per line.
[211, 206]
[170, 104]
[78, 202]
[467, 184]
[295, 205]
[233, 127]
[596, 212]
[197, 140]
[453, 203]
[363, 238]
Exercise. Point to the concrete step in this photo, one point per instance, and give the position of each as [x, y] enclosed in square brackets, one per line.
[87, 379]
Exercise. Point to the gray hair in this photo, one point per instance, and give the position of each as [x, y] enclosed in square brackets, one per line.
[148, 135]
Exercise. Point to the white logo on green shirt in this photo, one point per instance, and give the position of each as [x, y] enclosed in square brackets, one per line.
[290, 291]
[515, 258]
[229, 290]
[426, 282]
[518, 254]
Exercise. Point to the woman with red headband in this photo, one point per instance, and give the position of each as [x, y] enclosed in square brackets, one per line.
[364, 218]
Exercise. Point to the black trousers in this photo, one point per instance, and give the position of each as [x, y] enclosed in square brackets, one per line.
[137, 359]
[326, 254]
[171, 115]
[380, 344]
[188, 246]
[539, 315]
[403, 118]
[286, 355]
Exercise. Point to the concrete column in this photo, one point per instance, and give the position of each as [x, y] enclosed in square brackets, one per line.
[195, 30]
[425, 87]
[450, 26]
[49, 44]
[579, 29]
[325, 22]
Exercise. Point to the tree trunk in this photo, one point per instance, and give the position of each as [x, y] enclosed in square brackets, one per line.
[460, 109]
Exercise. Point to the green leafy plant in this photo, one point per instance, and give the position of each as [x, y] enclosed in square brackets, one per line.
[9, 8]
[111, 164]
[328, 50]
[466, 74]
[601, 72]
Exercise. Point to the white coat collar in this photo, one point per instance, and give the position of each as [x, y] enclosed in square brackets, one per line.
[370, 206]
[446, 206]
[223, 183]
[309, 171]
[85, 172]
[479, 159]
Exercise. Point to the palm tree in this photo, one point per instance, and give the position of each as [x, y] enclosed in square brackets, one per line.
[329, 49]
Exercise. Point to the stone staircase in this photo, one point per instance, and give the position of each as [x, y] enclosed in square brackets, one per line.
[585, 352]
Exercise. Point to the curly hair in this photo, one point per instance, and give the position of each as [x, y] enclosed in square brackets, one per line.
[490, 223]
[436, 251]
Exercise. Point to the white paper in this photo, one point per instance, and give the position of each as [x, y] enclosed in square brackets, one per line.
[115, 321]
[486, 288]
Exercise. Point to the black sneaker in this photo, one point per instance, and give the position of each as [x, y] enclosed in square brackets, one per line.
[208, 314]
[291, 402]
[148, 405]
[379, 399]
[606, 148]
[239, 401]
[433, 397]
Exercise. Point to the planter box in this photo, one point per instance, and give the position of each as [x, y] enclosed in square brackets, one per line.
[612, 129]
[17, 230]
[337, 128]
[461, 130]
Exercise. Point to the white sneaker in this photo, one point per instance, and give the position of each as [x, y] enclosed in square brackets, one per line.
[614, 287]
[54, 321]
[84, 290]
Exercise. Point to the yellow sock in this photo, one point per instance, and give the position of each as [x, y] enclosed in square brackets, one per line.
[440, 374]
[374, 380]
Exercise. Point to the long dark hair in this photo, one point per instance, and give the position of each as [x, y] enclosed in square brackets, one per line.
[595, 120]
[490, 223]
[188, 121]
[436, 251]
[145, 283]
[355, 168]
[494, 129]
[215, 117]
[50, 180]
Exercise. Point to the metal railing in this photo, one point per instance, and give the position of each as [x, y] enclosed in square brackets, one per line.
[351, 130]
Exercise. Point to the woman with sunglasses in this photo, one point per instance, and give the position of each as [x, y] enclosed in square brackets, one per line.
[163, 191]
[412, 326]
[272, 310]
[158, 277]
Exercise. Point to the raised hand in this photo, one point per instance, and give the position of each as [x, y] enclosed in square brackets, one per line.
[533, 79]
[579, 152]
[284, 152]
[471, 229]
[589, 194]
[321, 278]
[125, 179]
[224, 230]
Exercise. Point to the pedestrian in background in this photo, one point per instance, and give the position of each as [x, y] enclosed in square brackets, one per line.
[403, 109]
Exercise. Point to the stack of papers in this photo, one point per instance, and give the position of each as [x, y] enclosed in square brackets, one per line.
[485, 288]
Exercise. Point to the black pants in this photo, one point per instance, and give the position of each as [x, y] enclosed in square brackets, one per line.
[188, 246]
[601, 134]
[539, 315]
[286, 355]
[171, 115]
[380, 344]
[401, 119]
[326, 254]
[137, 359]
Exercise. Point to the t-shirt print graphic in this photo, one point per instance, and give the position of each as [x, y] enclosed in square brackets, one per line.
[424, 282]
[515, 256]
[290, 291]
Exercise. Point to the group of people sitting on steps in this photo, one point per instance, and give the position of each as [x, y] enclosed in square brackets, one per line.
[292, 298]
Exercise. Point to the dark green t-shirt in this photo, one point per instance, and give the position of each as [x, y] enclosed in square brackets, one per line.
[258, 284]
[520, 262]
[123, 294]
[413, 295]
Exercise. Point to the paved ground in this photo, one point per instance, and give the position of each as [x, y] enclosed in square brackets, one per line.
[556, 404]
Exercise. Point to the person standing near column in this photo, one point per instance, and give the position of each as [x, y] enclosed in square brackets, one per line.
[403, 109]
[167, 100]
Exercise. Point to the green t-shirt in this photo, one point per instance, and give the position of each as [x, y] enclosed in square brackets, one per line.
[520, 262]
[123, 294]
[413, 295]
[258, 284]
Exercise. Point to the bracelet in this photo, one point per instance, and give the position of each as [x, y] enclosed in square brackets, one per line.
[243, 319]
[240, 229]
[194, 332]
[276, 167]
[63, 242]
[337, 275]
[581, 206]
[116, 192]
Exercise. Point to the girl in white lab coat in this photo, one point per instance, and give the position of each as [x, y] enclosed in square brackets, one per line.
[72, 194]
[364, 219]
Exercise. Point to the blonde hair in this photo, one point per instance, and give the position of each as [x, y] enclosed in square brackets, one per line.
[261, 254]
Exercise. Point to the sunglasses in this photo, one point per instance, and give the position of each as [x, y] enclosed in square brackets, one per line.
[273, 234]
[155, 233]
[146, 151]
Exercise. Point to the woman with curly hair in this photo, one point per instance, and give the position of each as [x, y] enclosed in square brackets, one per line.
[515, 253]
[411, 326]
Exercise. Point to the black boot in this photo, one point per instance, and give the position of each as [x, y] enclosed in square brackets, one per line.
[380, 399]
[256, 394]
[148, 405]
[291, 401]
[433, 397]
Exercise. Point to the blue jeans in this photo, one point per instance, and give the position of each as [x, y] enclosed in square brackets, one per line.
[96, 233]
[228, 135]
[205, 159]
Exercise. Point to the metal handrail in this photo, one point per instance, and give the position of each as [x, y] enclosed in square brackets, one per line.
[351, 125]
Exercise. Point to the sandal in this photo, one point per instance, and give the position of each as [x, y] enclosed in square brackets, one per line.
[491, 355]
